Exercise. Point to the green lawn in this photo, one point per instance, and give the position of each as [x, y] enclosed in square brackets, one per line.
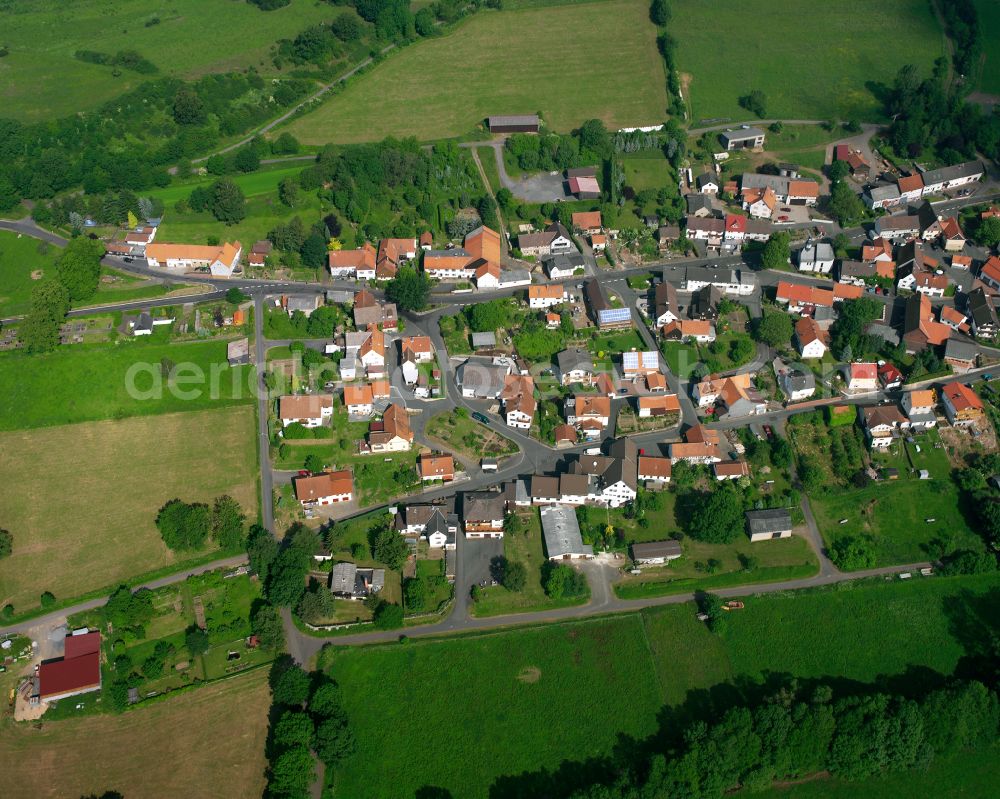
[445, 87]
[614, 344]
[648, 170]
[377, 478]
[681, 358]
[81, 499]
[537, 695]
[526, 548]
[810, 66]
[190, 40]
[83, 382]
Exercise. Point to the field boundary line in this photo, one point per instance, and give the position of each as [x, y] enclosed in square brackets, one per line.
[652, 655]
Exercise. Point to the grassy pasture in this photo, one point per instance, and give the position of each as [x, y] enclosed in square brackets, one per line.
[810, 66]
[190, 40]
[253, 184]
[208, 742]
[989, 23]
[20, 256]
[538, 695]
[568, 691]
[81, 499]
[445, 87]
[965, 776]
[81, 382]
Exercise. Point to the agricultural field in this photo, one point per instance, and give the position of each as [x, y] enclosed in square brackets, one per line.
[540, 695]
[83, 382]
[445, 87]
[556, 692]
[43, 35]
[528, 548]
[817, 66]
[208, 742]
[467, 437]
[81, 499]
[896, 512]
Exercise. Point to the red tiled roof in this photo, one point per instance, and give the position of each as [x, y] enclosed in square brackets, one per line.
[736, 223]
[962, 397]
[803, 188]
[911, 183]
[864, 371]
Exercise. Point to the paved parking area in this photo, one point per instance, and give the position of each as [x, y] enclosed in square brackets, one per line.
[476, 556]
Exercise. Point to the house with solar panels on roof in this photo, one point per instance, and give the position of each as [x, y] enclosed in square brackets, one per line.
[604, 316]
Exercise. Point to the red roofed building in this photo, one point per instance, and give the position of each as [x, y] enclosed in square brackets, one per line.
[890, 376]
[862, 376]
[962, 406]
[736, 227]
[77, 672]
[989, 273]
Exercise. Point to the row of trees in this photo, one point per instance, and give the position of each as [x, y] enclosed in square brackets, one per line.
[186, 526]
[307, 718]
[799, 732]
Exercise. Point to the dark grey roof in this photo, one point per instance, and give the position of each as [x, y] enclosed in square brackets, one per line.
[656, 549]
[706, 178]
[563, 261]
[948, 173]
[856, 269]
[980, 308]
[595, 296]
[568, 360]
[905, 222]
[883, 191]
[562, 532]
[483, 505]
[755, 180]
[796, 380]
[773, 520]
[960, 349]
[582, 172]
[513, 119]
[454, 252]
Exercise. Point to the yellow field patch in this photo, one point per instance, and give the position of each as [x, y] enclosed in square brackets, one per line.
[208, 742]
[81, 499]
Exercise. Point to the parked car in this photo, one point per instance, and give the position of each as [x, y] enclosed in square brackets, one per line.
[480, 417]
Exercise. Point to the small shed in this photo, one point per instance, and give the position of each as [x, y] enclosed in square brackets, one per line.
[484, 341]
